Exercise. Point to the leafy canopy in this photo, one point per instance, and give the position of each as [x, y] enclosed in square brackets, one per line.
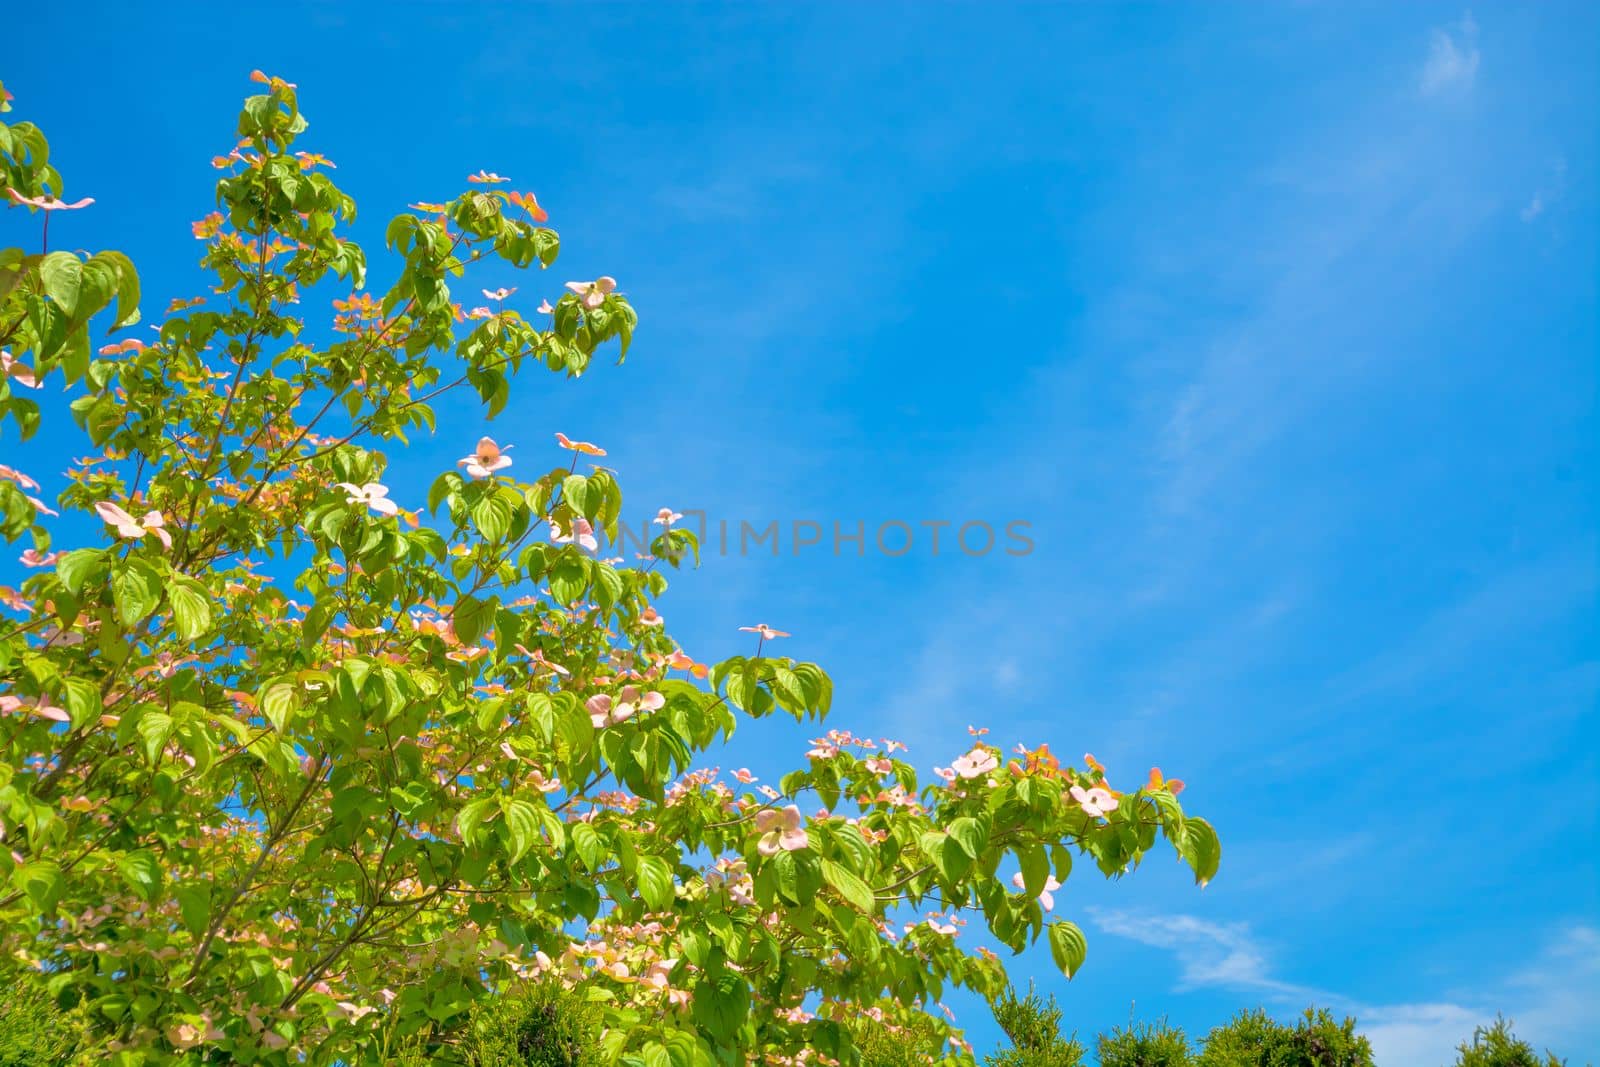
[297, 771]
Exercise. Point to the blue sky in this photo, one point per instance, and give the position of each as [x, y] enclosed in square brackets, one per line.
[1277, 325]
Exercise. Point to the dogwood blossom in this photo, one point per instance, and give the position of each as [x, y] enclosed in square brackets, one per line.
[1046, 900]
[1095, 801]
[129, 529]
[486, 459]
[593, 294]
[782, 830]
[372, 495]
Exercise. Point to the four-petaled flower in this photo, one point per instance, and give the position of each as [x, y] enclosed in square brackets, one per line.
[604, 711]
[581, 531]
[529, 203]
[767, 633]
[579, 446]
[498, 294]
[537, 658]
[1046, 900]
[372, 494]
[489, 458]
[46, 202]
[666, 517]
[1158, 783]
[32, 706]
[129, 528]
[17, 372]
[1095, 801]
[486, 177]
[975, 764]
[593, 294]
[783, 830]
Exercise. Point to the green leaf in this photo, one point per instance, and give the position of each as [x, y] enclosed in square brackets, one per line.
[853, 889]
[586, 843]
[575, 491]
[493, 515]
[191, 607]
[78, 566]
[142, 872]
[136, 589]
[62, 275]
[470, 817]
[155, 728]
[721, 1003]
[522, 823]
[82, 700]
[1202, 849]
[194, 905]
[1035, 869]
[41, 881]
[472, 617]
[655, 882]
[970, 835]
[569, 580]
[1068, 946]
[279, 702]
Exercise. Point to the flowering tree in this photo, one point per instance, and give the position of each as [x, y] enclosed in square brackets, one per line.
[296, 771]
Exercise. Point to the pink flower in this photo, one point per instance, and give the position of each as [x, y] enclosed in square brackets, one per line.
[48, 203]
[657, 974]
[666, 517]
[594, 293]
[544, 308]
[32, 706]
[602, 713]
[880, 765]
[537, 658]
[489, 458]
[579, 446]
[1096, 801]
[744, 777]
[45, 509]
[11, 474]
[486, 177]
[498, 294]
[128, 529]
[1050, 886]
[10, 368]
[975, 764]
[543, 784]
[372, 495]
[781, 829]
[946, 773]
[650, 617]
[767, 633]
[30, 558]
[581, 531]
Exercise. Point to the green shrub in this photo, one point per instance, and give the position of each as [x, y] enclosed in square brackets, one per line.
[915, 1041]
[33, 1031]
[1497, 1046]
[538, 1024]
[1144, 1045]
[1034, 1027]
[1255, 1039]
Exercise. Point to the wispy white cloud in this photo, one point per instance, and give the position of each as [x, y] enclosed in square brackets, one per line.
[1209, 954]
[1548, 194]
[1550, 997]
[1452, 64]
